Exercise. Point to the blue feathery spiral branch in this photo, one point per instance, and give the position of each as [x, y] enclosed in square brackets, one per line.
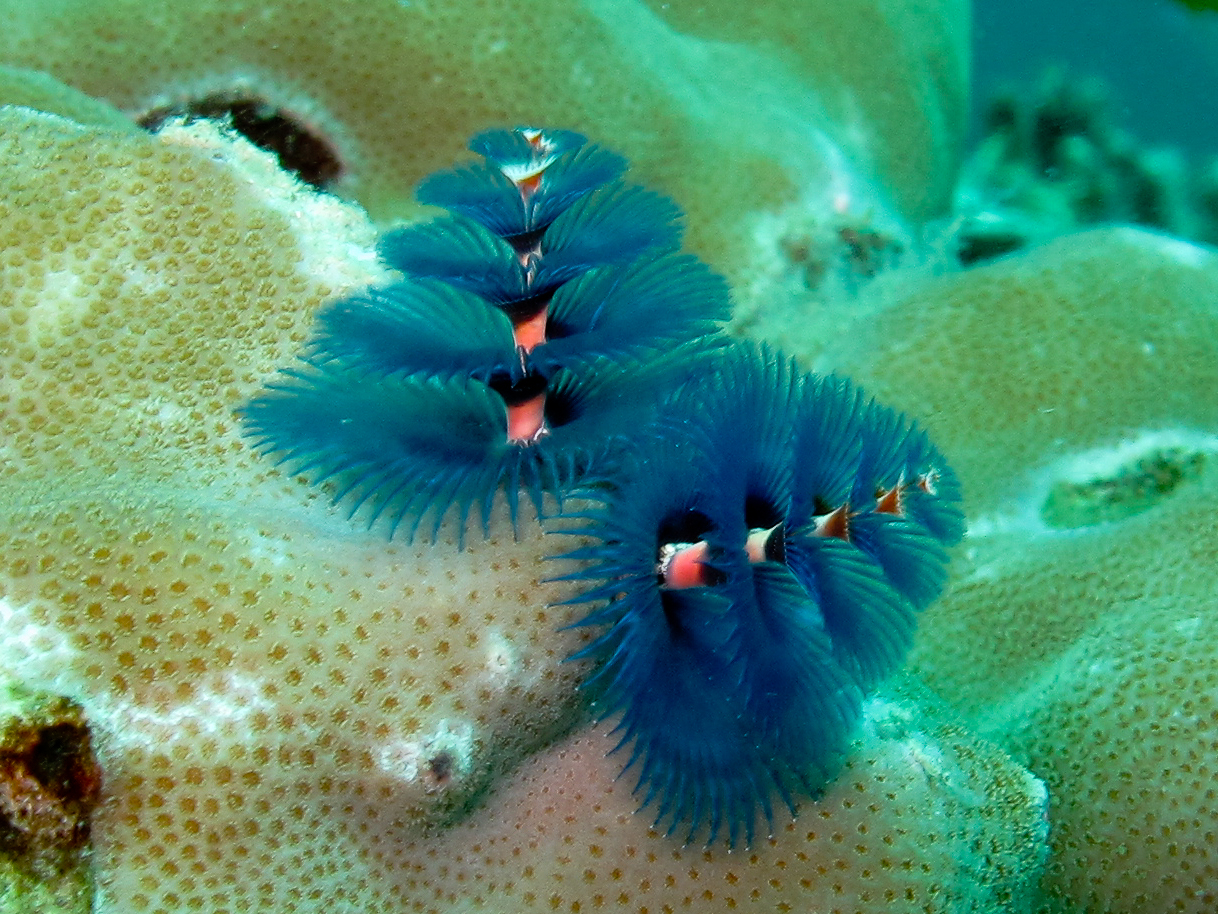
[532, 329]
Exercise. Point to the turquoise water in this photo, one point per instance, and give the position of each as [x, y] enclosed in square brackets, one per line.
[1159, 58]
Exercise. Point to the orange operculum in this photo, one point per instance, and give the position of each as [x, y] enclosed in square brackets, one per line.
[526, 421]
[683, 565]
[835, 524]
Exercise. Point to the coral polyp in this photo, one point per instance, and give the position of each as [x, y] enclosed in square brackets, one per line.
[760, 570]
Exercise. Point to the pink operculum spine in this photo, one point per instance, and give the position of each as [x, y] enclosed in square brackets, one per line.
[836, 523]
[758, 545]
[683, 565]
[526, 422]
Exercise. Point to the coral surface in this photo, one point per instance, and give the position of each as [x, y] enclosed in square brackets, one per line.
[1076, 344]
[293, 715]
[1073, 385]
[238, 647]
[924, 818]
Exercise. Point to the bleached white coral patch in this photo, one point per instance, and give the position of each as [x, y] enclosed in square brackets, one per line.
[35, 654]
[502, 658]
[336, 240]
[1182, 252]
[222, 706]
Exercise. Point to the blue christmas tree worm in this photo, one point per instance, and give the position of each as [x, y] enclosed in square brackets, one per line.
[761, 540]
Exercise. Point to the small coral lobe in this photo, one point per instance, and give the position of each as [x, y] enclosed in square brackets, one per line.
[299, 147]
[979, 241]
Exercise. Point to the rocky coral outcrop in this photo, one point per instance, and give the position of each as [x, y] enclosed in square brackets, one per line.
[239, 647]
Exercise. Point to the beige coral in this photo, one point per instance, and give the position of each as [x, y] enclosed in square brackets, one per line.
[220, 625]
[794, 98]
[1096, 668]
[1080, 373]
[925, 818]
[1072, 345]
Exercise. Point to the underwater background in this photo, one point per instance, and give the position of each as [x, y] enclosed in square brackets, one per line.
[1156, 58]
[814, 401]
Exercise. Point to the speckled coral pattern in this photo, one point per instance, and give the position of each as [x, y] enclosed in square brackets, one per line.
[1088, 652]
[1102, 681]
[239, 646]
[924, 819]
[1071, 345]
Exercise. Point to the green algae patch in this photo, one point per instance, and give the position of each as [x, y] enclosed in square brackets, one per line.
[1132, 489]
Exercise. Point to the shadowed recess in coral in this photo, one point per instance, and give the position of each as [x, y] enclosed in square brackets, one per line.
[1137, 484]
[301, 148]
[761, 541]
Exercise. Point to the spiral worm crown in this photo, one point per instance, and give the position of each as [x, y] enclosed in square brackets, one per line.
[533, 330]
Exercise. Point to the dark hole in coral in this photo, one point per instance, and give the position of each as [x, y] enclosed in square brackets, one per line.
[761, 514]
[440, 767]
[987, 246]
[12, 841]
[820, 505]
[564, 403]
[978, 242]
[685, 527]
[1149, 196]
[526, 241]
[518, 392]
[525, 308]
[63, 764]
[298, 146]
